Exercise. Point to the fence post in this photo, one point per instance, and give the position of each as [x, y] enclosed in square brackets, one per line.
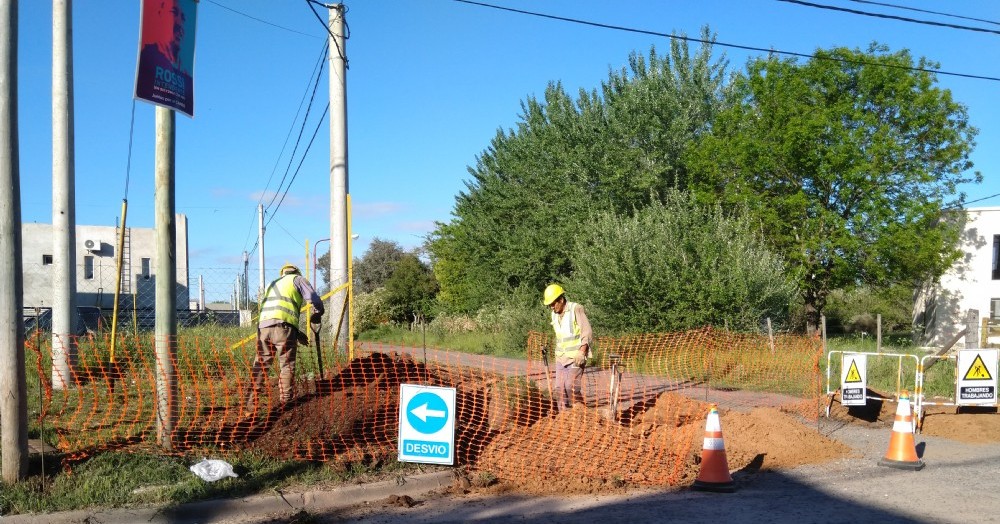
[984, 334]
[770, 335]
[878, 333]
[972, 329]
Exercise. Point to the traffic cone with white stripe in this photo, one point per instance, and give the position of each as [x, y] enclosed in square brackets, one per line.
[714, 474]
[902, 452]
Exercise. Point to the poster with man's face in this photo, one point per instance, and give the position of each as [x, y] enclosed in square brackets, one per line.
[165, 69]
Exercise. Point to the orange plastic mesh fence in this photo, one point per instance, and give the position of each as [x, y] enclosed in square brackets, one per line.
[505, 418]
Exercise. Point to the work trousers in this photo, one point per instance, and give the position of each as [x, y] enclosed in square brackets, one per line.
[280, 341]
[569, 380]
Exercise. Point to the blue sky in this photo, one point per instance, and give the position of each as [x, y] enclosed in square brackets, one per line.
[429, 84]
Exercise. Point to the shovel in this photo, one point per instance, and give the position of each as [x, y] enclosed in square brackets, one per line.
[316, 328]
[545, 362]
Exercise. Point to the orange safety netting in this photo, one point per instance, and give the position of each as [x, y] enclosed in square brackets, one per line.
[506, 424]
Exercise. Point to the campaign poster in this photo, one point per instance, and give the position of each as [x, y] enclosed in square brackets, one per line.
[165, 70]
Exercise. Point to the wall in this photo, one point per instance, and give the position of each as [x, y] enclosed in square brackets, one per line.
[99, 290]
[941, 307]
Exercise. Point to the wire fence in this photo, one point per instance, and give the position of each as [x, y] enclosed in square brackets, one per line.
[505, 418]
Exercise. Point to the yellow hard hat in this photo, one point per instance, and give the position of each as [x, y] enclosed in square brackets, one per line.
[552, 292]
[289, 268]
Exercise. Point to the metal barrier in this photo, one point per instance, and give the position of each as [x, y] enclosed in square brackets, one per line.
[951, 400]
[899, 374]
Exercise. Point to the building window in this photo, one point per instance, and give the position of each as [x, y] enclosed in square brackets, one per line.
[995, 309]
[145, 269]
[88, 267]
[46, 260]
[996, 257]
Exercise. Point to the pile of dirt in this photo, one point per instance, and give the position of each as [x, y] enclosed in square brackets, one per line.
[352, 416]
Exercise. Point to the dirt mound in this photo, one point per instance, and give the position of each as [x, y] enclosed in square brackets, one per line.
[507, 429]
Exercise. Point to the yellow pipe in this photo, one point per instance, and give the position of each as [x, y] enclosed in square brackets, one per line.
[350, 284]
[309, 333]
[118, 281]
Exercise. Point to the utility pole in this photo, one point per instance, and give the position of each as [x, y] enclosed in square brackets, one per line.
[338, 174]
[63, 197]
[260, 250]
[13, 383]
[244, 282]
[166, 278]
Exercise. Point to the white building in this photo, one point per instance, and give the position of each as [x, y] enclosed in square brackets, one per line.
[96, 265]
[972, 283]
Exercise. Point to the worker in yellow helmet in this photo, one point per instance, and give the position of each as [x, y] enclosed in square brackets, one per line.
[573, 339]
[278, 331]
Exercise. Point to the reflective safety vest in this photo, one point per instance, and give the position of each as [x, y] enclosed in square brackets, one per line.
[282, 301]
[568, 340]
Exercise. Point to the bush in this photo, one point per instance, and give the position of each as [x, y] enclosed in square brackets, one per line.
[677, 265]
[371, 310]
[856, 310]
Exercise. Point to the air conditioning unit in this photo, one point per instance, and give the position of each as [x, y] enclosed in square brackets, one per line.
[92, 244]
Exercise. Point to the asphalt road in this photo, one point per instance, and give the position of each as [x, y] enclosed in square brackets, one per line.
[958, 484]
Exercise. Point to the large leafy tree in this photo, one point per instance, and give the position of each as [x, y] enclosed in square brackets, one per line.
[534, 188]
[848, 160]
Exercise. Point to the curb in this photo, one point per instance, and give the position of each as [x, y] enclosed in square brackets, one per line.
[252, 506]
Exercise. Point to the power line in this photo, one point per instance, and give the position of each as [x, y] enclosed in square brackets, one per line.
[301, 161]
[347, 29]
[298, 140]
[724, 44]
[261, 20]
[929, 12]
[891, 17]
[316, 73]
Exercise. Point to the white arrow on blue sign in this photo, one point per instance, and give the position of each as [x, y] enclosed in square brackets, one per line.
[426, 424]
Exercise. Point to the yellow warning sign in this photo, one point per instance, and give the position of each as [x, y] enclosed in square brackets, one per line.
[853, 375]
[978, 371]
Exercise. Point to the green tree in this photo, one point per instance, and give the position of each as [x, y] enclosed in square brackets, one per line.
[372, 269]
[678, 265]
[848, 161]
[534, 188]
[410, 289]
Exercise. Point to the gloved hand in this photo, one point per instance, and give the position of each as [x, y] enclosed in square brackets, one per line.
[316, 318]
[580, 360]
[301, 338]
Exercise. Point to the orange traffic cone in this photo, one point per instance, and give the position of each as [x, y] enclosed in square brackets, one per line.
[902, 452]
[714, 474]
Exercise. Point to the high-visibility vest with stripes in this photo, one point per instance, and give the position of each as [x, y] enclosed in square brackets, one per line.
[568, 339]
[282, 301]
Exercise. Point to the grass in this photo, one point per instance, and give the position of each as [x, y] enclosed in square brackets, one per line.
[889, 374]
[114, 479]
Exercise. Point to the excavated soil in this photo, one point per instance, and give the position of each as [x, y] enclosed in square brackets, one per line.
[353, 416]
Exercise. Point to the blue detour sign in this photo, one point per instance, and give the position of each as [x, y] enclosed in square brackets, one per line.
[426, 424]
[427, 412]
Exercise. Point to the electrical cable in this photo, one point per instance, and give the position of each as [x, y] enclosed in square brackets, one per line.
[314, 77]
[347, 29]
[261, 20]
[128, 162]
[298, 141]
[724, 44]
[891, 17]
[301, 160]
[926, 11]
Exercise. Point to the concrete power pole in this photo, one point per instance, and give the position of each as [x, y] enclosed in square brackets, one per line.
[166, 278]
[260, 251]
[13, 388]
[338, 173]
[63, 197]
